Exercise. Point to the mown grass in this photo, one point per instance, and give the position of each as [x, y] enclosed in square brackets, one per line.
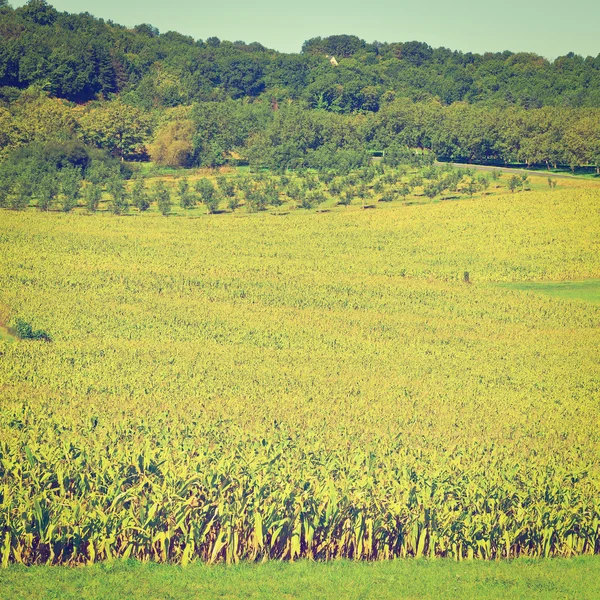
[587, 291]
[577, 579]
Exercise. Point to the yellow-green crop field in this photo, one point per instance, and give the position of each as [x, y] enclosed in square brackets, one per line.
[303, 385]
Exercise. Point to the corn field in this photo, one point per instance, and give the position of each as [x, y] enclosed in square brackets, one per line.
[314, 386]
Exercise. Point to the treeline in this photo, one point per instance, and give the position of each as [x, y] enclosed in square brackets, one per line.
[79, 57]
[137, 94]
[211, 134]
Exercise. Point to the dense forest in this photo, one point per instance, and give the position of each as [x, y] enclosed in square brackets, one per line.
[138, 94]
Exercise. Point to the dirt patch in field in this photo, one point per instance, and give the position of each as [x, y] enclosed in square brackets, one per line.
[6, 333]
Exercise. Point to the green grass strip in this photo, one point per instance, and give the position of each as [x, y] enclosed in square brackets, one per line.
[587, 291]
[530, 579]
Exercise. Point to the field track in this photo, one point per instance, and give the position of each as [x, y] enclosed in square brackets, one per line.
[491, 168]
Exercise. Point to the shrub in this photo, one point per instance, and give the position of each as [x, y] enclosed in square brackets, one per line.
[25, 331]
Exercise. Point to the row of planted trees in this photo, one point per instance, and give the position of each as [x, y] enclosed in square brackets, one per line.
[66, 189]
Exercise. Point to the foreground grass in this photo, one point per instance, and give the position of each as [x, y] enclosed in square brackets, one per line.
[556, 578]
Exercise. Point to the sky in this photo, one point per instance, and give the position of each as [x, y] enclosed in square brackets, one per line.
[546, 27]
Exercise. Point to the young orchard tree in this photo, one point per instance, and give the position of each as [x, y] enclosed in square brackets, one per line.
[389, 178]
[46, 191]
[162, 196]
[431, 190]
[233, 203]
[272, 194]
[226, 186]
[19, 194]
[295, 192]
[363, 192]
[351, 179]
[335, 187]
[524, 180]
[306, 201]
[118, 204]
[311, 199]
[452, 180]
[416, 181]
[139, 195]
[513, 183]
[403, 191]
[208, 194]
[472, 187]
[92, 193]
[255, 200]
[70, 187]
[484, 182]
[186, 198]
[326, 177]
[347, 197]
[367, 175]
[311, 182]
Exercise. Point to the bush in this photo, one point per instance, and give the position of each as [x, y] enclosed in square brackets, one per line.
[25, 331]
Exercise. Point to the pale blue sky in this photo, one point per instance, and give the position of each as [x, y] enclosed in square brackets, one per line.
[547, 27]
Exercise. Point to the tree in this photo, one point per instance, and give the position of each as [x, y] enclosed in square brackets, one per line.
[513, 183]
[226, 186]
[118, 204]
[70, 187]
[118, 127]
[311, 182]
[100, 171]
[271, 192]
[173, 144]
[472, 187]
[233, 202]
[346, 198]
[39, 11]
[311, 199]
[403, 191]
[484, 182]
[139, 195]
[46, 190]
[524, 180]
[255, 200]
[335, 187]
[326, 176]
[162, 198]
[186, 197]
[208, 194]
[19, 194]
[92, 193]
[341, 46]
[363, 192]
[431, 189]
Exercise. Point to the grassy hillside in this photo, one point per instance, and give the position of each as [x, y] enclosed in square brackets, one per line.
[302, 385]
